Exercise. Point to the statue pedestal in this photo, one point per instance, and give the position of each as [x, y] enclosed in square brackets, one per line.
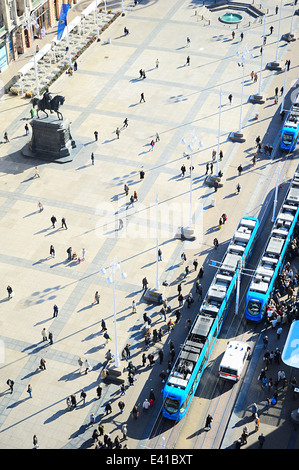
[51, 140]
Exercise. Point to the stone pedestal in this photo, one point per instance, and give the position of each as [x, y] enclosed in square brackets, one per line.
[257, 98]
[236, 137]
[51, 140]
[153, 296]
[275, 65]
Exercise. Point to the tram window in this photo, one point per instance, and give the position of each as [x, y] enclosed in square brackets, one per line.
[254, 307]
[171, 405]
[287, 138]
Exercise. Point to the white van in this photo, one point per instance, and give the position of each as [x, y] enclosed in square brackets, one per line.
[233, 360]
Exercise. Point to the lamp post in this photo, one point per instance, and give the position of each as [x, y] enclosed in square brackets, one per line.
[32, 21]
[111, 279]
[275, 195]
[192, 140]
[262, 56]
[157, 243]
[278, 33]
[219, 119]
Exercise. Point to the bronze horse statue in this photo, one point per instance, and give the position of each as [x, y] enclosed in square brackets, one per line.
[51, 104]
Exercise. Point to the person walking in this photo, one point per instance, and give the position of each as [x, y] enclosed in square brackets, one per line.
[36, 174]
[83, 395]
[97, 298]
[240, 169]
[10, 383]
[87, 367]
[142, 98]
[125, 123]
[92, 158]
[188, 60]
[50, 337]
[117, 132]
[55, 311]
[52, 251]
[134, 307]
[53, 220]
[124, 432]
[9, 291]
[5, 136]
[230, 98]
[215, 243]
[42, 364]
[29, 391]
[35, 442]
[238, 188]
[209, 420]
[188, 42]
[261, 440]
[99, 391]
[157, 63]
[96, 135]
[44, 335]
[183, 170]
[63, 223]
[121, 406]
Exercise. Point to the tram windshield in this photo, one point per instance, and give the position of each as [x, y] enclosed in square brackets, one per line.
[171, 405]
[287, 138]
[254, 307]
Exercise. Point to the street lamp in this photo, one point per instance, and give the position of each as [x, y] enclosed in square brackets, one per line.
[111, 280]
[29, 24]
[278, 33]
[192, 141]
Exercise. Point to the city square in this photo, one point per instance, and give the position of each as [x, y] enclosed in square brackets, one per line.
[182, 115]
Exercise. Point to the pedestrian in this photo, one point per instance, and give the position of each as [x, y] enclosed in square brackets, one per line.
[145, 405]
[254, 159]
[29, 391]
[122, 390]
[142, 98]
[53, 220]
[92, 158]
[10, 383]
[257, 422]
[157, 63]
[271, 29]
[50, 337]
[32, 113]
[40, 206]
[63, 223]
[144, 283]
[103, 325]
[80, 363]
[124, 432]
[69, 253]
[107, 337]
[152, 397]
[157, 137]
[6, 137]
[44, 334]
[125, 123]
[96, 135]
[135, 412]
[26, 129]
[55, 310]
[159, 254]
[188, 60]
[121, 406]
[233, 35]
[183, 170]
[108, 408]
[261, 440]
[134, 307]
[92, 419]
[75, 66]
[214, 155]
[215, 243]
[240, 169]
[241, 37]
[188, 42]
[83, 395]
[211, 168]
[143, 358]
[117, 132]
[52, 251]
[97, 297]
[99, 391]
[35, 442]
[198, 289]
[265, 341]
[209, 420]
[42, 364]
[10, 292]
[207, 168]
[230, 98]
[195, 264]
[36, 174]
[220, 155]
[288, 64]
[278, 332]
[87, 366]
[238, 188]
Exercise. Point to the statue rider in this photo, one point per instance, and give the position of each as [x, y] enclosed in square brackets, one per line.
[47, 100]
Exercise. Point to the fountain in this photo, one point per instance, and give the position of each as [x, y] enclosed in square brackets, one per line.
[231, 18]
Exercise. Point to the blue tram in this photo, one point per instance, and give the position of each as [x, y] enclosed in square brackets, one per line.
[290, 131]
[272, 259]
[186, 373]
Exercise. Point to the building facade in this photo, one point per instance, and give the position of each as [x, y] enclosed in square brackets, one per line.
[16, 27]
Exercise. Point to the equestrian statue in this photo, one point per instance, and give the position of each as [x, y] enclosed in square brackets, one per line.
[47, 102]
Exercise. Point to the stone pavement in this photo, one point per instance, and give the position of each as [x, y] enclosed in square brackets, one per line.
[180, 101]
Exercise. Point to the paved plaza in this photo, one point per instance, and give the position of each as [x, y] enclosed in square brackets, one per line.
[181, 105]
